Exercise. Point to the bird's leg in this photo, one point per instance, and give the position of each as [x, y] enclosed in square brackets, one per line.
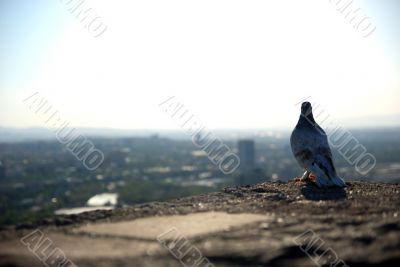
[305, 176]
[299, 180]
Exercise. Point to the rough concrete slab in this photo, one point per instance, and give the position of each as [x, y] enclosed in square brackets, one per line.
[359, 223]
[83, 247]
[188, 225]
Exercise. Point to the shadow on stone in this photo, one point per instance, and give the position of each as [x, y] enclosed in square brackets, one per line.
[311, 192]
[290, 256]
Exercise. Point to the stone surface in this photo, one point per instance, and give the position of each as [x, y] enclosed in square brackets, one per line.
[86, 247]
[189, 225]
[254, 225]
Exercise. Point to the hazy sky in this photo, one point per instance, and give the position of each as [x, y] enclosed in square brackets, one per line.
[234, 64]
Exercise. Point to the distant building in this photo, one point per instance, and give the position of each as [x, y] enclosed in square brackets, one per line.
[247, 156]
[249, 172]
[2, 171]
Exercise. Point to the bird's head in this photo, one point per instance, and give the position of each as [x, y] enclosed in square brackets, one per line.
[306, 108]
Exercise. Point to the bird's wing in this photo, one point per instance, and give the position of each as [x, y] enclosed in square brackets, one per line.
[304, 155]
[301, 148]
[324, 155]
[324, 170]
[324, 161]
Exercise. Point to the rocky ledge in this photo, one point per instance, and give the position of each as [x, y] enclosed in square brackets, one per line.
[268, 224]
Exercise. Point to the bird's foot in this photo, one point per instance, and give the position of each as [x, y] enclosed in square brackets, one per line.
[310, 178]
[298, 181]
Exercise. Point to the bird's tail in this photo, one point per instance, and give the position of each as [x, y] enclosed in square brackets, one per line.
[336, 180]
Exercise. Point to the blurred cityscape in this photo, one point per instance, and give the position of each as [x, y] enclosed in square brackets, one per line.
[39, 178]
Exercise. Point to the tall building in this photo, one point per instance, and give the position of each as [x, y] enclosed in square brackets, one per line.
[247, 156]
[2, 171]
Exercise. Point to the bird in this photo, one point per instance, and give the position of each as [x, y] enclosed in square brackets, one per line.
[311, 149]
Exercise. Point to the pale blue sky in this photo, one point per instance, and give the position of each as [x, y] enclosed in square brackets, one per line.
[234, 64]
[28, 30]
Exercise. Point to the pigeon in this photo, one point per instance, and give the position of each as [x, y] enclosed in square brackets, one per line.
[311, 149]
